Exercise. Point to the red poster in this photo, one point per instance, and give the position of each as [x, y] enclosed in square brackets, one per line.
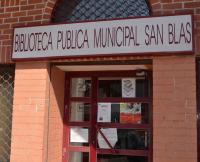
[130, 113]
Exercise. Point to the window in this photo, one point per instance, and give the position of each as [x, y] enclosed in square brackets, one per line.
[76, 10]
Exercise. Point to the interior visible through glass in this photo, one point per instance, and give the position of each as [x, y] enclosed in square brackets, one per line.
[127, 139]
[79, 111]
[80, 87]
[123, 87]
[120, 158]
[78, 157]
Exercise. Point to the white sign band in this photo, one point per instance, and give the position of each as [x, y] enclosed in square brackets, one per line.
[124, 36]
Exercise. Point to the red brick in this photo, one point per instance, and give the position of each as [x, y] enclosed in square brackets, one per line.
[23, 2]
[34, 1]
[1, 10]
[154, 1]
[11, 20]
[7, 3]
[29, 7]
[7, 42]
[167, 12]
[198, 44]
[191, 4]
[47, 16]
[34, 23]
[17, 2]
[182, 0]
[2, 58]
[50, 5]
[38, 17]
[8, 54]
[12, 3]
[197, 24]
[198, 11]
[2, 3]
[48, 10]
[19, 14]
[4, 26]
[184, 11]
[5, 15]
[12, 9]
[157, 13]
[166, 1]
[1, 49]
[35, 12]
[39, 6]
[21, 24]
[172, 6]
[4, 37]
[197, 30]
[196, 17]
[156, 6]
[27, 18]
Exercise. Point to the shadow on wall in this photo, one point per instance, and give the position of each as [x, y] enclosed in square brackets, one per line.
[56, 113]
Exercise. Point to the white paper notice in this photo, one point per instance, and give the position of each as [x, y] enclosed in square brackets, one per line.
[104, 112]
[79, 135]
[128, 87]
[111, 136]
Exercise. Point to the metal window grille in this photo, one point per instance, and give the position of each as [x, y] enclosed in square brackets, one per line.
[6, 104]
[76, 10]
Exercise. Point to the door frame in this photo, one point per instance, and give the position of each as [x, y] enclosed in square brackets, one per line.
[198, 105]
[93, 133]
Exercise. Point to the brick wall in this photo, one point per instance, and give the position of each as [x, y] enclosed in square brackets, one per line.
[29, 112]
[171, 7]
[174, 110]
[15, 13]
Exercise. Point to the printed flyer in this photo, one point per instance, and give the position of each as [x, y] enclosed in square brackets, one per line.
[128, 87]
[130, 113]
[104, 112]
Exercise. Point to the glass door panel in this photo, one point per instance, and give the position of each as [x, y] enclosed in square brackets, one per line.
[81, 87]
[123, 119]
[80, 111]
[108, 117]
[124, 139]
[78, 156]
[78, 118]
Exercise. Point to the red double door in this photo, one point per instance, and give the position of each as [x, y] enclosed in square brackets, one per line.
[108, 117]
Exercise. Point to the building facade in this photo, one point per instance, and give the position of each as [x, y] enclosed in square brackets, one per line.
[52, 101]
